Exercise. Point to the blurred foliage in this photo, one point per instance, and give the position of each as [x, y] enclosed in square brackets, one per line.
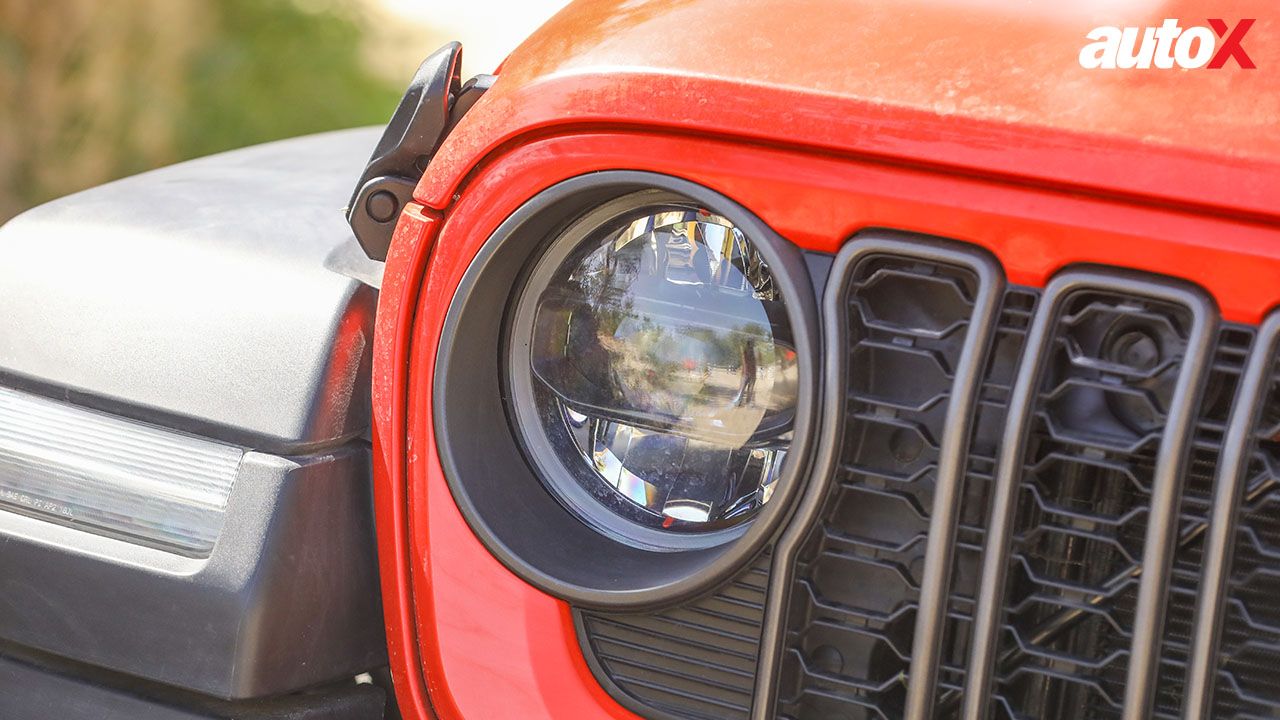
[92, 90]
[274, 71]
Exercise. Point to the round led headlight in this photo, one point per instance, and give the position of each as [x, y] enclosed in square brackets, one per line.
[625, 391]
[657, 360]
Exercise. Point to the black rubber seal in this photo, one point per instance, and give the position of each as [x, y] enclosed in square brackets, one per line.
[488, 470]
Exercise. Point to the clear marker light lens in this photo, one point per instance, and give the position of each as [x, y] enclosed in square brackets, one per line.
[112, 476]
[665, 354]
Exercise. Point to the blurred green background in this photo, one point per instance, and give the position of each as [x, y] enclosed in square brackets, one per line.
[93, 90]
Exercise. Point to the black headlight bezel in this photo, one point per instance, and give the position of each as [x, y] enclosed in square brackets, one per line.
[498, 482]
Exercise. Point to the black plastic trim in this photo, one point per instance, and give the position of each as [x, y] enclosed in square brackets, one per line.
[622, 693]
[835, 340]
[1220, 541]
[202, 300]
[287, 599]
[432, 105]
[416, 129]
[1166, 485]
[1167, 480]
[43, 688]
[607, 683]
[517, 519]
[953, 453]
[705, 640]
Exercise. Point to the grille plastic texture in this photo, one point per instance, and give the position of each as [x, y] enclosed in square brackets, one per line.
[1015, 317]
[693, 661]
[857, 580]
[1086, 486]
[1248, 685]
[1224, 377]
[1084, 497]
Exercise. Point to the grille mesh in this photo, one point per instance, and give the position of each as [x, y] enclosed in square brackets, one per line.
[1085, 495]
[1232, 351]
[1248, 685]
[1010, 339]
[1084, 500]
[858, 577]
[694, 661]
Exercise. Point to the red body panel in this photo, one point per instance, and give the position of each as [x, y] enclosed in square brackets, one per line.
[975, 86]
[802, 139]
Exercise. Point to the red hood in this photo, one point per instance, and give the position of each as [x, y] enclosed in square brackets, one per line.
[974, 86]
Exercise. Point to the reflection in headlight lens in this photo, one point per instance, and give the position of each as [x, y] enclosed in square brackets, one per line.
[662, 356]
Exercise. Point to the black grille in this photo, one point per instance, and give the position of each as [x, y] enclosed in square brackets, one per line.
[694, 661]
[1094, 473]
[1086, 485]
[1019, 303]
[1247, 677]
[1224, 378]
[858, 575]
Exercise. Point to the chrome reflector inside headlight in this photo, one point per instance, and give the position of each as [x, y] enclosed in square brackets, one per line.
[661, 358]
[112, 476]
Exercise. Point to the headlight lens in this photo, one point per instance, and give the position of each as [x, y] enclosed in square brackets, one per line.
[664, 368]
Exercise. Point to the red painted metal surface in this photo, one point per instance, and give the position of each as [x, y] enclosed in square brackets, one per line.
[410, 248]
[968, 119]
[989, 87]
[492, 646]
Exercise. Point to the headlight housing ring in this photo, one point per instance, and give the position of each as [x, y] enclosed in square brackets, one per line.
[626, 389]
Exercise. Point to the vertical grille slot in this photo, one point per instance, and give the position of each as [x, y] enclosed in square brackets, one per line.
[1002, 365]
[858, 577]
[859, 559]
[1093, 450]
[1235, 645]
[1246, 684]
[1197, 498]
